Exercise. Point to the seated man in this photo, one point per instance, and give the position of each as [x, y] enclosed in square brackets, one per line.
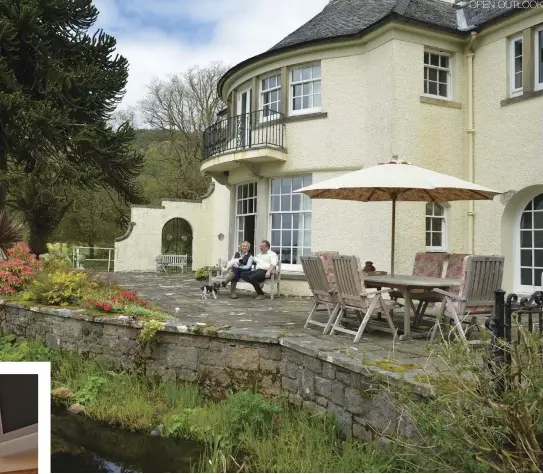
[241, 262]
[266, 261]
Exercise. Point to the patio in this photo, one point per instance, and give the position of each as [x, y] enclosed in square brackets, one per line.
[282, 318]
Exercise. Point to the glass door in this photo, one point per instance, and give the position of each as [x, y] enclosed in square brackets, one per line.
[246, 199]
[244, 118]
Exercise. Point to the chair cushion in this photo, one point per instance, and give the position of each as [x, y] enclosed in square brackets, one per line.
[428, 264]
[326, 258]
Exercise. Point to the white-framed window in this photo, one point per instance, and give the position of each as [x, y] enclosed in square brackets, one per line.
[516, 65]
[246, 201]
[290, 220]
[436, 227]
[270, 95]
[437, 75]
[305, 89]
[531, 244]
[539, 58]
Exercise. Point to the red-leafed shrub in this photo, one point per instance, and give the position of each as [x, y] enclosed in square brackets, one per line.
[18, 269]
[117, 302]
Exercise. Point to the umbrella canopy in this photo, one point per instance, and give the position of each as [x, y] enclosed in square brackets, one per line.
[397, 180]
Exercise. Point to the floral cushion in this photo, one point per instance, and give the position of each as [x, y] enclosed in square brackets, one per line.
[428, 264]
[326, 258]
[362, 303]
[455, 265]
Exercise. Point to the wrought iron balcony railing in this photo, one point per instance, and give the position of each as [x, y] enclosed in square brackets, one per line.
[245, 131]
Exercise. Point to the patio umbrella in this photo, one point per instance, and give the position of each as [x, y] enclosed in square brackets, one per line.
[394, 181]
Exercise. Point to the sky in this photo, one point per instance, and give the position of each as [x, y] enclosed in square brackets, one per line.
[165, 37]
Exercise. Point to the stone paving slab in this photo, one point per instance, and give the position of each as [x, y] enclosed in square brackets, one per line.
[275, 321]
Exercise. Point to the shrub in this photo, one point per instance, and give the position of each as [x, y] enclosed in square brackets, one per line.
[57, 258]
[59, 288]
[18, 270]
[202, 274]
[248, 410]
[10, 232]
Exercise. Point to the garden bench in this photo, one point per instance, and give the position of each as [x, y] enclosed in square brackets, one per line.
[163, 262]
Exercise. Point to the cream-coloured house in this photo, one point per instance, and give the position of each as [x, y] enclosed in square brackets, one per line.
[457, 88]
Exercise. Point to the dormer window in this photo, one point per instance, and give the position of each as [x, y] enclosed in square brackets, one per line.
[305, 89]
[437, 75]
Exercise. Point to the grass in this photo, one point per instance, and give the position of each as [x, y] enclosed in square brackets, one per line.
[242, 433]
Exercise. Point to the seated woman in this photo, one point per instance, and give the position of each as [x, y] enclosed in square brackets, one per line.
[240, 262]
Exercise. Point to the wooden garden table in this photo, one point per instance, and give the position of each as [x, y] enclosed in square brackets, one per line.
[406, 284]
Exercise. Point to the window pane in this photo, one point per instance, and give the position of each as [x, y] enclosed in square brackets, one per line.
[428, 223]
[275, 203]
[296, 238]
[429, 209]
[317, 87]
[445, 61]
[265, 84]
[316, 72]
[244, 191]
[428, 239]
[276, 237]
[296, 221]
[317, 100]
[307, 221]
[273, 82]
[437, 224]
[286, 186]
[276, 186]
[297, 91]
[518, 80]
[306, 203]
[276, 221]
[276, 250]
[432, 73]
[297, 75]
[443, 90]
[538, 239]
[518, 64]
[308, 180]
[287, 221]
[525, 276]
[436, 239]
[426, 58]
[518, 48]
[432, 88]
[538, 258]
[296, 253]
[526, 221]
[238, 210]
[297, 104]
[273, 96]
[537, 276]
[443, 76]
[426, 87]
[285, 256]
[434, 59]
[286, 238]
[297, 183]
[438, 209]
[305, 102]
[526, 257]
[538, 203]
[307, 88]
[297, 202]
[244, 207]
[540, 65]
[526, 240]
[538, 220]
[307, 238]
[285, 203]
[306, 73]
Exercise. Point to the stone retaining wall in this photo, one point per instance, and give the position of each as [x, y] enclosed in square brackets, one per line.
[220, 361]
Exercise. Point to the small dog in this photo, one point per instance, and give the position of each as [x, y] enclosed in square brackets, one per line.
[209, 290]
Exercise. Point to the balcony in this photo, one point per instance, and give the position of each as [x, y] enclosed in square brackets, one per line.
[255, 137]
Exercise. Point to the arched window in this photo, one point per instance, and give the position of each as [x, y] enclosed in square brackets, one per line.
[531, 243]
[177, 238]
[436, 227]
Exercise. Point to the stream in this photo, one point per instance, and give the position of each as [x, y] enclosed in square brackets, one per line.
[83, 445]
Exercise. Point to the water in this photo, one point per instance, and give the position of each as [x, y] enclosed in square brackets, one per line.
[82, 445]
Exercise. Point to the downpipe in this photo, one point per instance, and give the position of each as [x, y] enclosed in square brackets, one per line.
[471, 143]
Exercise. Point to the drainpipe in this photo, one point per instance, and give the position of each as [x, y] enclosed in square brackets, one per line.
[471, 143]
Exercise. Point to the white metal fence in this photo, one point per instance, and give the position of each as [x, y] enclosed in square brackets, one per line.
[82, 255]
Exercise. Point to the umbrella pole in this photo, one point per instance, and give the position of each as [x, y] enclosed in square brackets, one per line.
[393, 240]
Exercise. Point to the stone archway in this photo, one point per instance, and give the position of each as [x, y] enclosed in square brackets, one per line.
[177, 238]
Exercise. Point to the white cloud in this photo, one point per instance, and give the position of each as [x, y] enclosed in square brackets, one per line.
[235, 30]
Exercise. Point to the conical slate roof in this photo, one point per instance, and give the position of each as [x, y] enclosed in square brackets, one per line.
[342, 18]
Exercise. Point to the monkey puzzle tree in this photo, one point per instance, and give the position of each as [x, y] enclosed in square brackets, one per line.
[59, 87]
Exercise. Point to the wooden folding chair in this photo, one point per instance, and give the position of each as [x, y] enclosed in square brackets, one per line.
[481, 277]
[352, 294]
[323, 293]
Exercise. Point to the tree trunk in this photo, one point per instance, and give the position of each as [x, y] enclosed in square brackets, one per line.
[37, 241]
